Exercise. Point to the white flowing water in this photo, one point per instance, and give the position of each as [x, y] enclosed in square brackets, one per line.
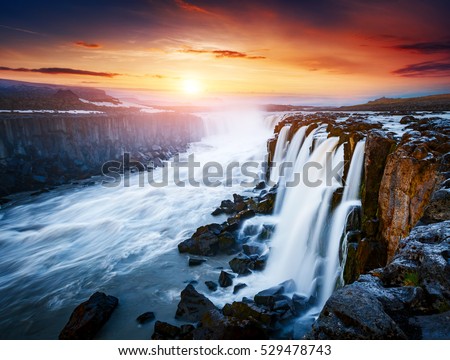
[280, 150]
[60, 247]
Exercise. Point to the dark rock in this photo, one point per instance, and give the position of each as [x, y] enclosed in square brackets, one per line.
[241, 264]
[227, 242]
[239, 287]
[211, 285]
[225, 279]
[204, 242]
[196, 261]
[216, 326]
[192, 305]
[438, 208]
[407, 119]
[145, 317]
[260, 262]
[245, 311]
[269, 296]
[351, 314]
[166, 331]
[266, 232]
[395, 301]
[217, 212]
[252, 249]
[89, 317]
[260, 186]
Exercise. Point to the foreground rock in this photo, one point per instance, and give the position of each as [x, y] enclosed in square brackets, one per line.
[89, 317]
[407, 299]
[193, 305]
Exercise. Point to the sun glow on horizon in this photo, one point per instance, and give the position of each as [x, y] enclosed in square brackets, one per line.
[191, 86]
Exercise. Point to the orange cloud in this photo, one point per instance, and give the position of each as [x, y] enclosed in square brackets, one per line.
[190, 7]
[219, 54]
[58, 71]
[87, 45]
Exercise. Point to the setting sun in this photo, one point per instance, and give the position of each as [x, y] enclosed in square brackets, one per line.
[191, 86]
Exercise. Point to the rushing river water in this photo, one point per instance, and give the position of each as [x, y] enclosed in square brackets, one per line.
[60, 247]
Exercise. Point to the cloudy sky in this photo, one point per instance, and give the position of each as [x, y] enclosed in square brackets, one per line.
[320, 48]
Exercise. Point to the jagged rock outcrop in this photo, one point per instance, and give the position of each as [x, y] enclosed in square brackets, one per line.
[193, 305]
[89, 317]
[399, 300]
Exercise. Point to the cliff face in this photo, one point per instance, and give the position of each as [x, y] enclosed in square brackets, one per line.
[51, 149]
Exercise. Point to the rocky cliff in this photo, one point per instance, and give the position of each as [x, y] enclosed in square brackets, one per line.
[38, 150]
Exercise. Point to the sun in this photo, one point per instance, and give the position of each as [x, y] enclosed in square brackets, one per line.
[192, 86]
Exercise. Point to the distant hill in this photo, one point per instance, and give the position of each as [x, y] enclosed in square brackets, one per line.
[423, 103]
[19, 95]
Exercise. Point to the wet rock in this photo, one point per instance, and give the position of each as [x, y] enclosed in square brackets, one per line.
[362, 317]
[89, 317]
[227, 242]
[245, 311]
[204, 242]
[192, 305]
[217, 326]
[145, 317]
[252, 249]
[407, 119]
[196, 261]
[225, 279]
[387, 302]
[438, 208]
[211, 285]
[269, 296]
[267, 232]
[242, 264]
[239, 287]
[166, 331]
[260, 186]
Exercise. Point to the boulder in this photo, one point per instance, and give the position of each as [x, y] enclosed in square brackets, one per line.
[239, 287]
[438, 208]
[211, 285]
[166, 331]
[354, 314]
[204, 242]
[89, 317]
[225, 279]
[217, 326]
[196, 261]
[145, 317]
[192, 305]
[242, 264]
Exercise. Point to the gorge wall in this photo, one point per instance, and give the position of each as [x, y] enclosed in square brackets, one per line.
[38, 150]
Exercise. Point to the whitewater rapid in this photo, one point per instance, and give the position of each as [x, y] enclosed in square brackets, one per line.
[60, 247]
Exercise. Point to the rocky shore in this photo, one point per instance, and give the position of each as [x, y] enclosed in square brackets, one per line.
[397, 267]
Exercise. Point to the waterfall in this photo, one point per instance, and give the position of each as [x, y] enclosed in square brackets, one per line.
[278, 156]
[295, 255]
[350, 199]
[291, 155]
[307, 240]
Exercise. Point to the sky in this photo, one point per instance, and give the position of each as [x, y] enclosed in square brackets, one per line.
[329, 49]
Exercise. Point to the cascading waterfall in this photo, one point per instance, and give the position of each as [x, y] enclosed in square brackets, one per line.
[350, 199]
[278, 156]
[308, 236]
[291, 155]
[295, 255]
